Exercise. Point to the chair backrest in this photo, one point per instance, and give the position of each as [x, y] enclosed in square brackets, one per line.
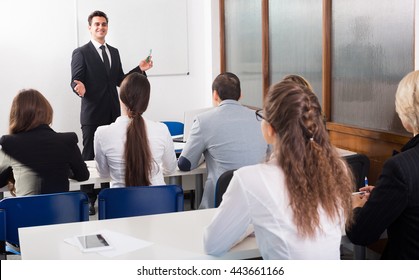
[38, 210]
[139, 200]
[175, 128]
[221, 186]
[360, 166]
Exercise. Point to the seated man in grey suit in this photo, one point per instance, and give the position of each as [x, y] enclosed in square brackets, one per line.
[229, 136]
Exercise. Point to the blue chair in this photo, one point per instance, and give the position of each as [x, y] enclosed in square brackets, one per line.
[139, 200]
[221, 186]
[175, 128]
[38, 210]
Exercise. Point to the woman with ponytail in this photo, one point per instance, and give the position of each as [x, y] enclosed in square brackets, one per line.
[299, 200]
[134, 151]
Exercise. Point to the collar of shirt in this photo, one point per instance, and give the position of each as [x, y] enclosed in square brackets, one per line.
[229, 101]
[97, 46]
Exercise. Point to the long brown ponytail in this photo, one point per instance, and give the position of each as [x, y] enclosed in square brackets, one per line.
[135, 94]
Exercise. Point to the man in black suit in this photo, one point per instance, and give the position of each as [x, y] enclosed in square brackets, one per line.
[96, 71]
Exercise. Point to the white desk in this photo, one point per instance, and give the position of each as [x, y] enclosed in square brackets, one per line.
[345, 153]
[175, 178]
[95, 179]
[174, 236]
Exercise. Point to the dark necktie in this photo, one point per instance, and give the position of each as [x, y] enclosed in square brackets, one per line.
[105, 59]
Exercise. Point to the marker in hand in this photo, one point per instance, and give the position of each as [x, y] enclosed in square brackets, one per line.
[149, 56]
[356, 193]
[365, 184]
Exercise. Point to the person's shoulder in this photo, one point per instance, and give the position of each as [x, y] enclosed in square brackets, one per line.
[69, 137]
[156, 126]
[258, 167]
[235, 105]
[245, 109]
[10, 138]
[256, 172]
[104, 128]
[260, 172]
[5, 139]
[207, 115]
[405, 160]
[80, 52]
[83, 47]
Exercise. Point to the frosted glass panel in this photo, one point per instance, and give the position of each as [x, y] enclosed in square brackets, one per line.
[243, 32]
[296, 40]
[372, 49]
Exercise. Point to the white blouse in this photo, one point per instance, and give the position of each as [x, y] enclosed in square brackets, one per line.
[257, 196]
[109, 145]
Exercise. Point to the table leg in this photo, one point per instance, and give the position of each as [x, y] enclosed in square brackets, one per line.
[199, 189]
[175, 180]
[359, 252]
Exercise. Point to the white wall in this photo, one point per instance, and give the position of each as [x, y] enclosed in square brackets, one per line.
[38, 36]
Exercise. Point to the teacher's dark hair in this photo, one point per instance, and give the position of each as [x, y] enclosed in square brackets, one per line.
[135, 94]
[29, 110]
[97, 14]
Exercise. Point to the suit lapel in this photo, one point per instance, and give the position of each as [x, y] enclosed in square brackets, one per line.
[113, 57]
[95, 53]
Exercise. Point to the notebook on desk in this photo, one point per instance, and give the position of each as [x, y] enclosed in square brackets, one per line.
[188, 119]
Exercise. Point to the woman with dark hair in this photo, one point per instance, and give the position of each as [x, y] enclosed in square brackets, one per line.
[299, 200]
[134, 151]
[34, 159]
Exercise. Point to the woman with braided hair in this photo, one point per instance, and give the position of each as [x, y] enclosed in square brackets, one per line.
[134, 151]
[298, 201]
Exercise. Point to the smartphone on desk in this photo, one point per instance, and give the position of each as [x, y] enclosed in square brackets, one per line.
[93, 243]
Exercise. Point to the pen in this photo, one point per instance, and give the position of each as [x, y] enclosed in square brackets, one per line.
[355, 193]
[149, 56]
[365, 181]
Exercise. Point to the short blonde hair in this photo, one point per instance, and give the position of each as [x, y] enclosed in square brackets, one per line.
[407, 100]
[298, 80]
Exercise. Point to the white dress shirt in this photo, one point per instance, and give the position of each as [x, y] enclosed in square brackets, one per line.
[99, 50]
[257, 196]
[109, 145]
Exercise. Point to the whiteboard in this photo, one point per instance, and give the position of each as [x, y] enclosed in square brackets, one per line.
[136, 26]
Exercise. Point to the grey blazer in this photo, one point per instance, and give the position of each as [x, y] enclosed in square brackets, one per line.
[230, 137]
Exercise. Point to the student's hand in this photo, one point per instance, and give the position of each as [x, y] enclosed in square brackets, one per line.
[11, 187]
[359, 200]
[367, 190]
[79, 88]
[146, 64]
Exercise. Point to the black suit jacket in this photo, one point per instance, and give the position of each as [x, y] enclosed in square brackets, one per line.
[54, 157]
[393, 205]
[100, 104]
